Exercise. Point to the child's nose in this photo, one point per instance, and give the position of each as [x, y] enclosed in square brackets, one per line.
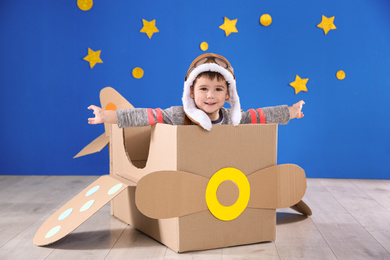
[210, 94]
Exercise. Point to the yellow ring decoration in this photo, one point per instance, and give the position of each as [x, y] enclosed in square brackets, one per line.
[227, 213]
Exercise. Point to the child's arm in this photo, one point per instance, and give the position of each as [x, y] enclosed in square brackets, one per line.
[296, 110]
[102, 116]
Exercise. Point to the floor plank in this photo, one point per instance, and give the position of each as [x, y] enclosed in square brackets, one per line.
[344, 235]
[21, 246]
[297, 237]
[94, 239]
[27, 200]
[378, 190]
[265, 251]
[350, 220]
[133, 244]
[372, 216]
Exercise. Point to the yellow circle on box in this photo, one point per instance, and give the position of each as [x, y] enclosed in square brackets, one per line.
[204, 46]
[219, 211]
[265, 20]
[340, 75]
[85, 5]
[138, 73]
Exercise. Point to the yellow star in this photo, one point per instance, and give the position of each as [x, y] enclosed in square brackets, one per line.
[327, 24]
[149, 28]
[93, 57]
[299, 84]
[229, 26]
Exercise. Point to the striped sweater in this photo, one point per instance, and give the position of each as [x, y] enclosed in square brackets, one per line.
[175, 116]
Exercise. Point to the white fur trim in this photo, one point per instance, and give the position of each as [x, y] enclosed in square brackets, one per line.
[197, 114]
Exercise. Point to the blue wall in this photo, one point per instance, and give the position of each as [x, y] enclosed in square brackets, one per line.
[46, 86]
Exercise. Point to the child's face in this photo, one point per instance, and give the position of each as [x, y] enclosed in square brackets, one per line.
[210, 95]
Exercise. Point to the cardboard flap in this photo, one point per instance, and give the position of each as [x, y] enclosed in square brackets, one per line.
[95, 146]
[110, 99]
[168, 194]
[78, 210]
[279, 186]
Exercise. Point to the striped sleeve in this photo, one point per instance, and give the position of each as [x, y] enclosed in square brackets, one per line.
[147, 116]
[267, 115]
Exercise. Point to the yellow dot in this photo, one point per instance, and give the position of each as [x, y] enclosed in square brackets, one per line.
[204, 46]
[138, 73]
[85, 5]
[265, 20]
[340, 75]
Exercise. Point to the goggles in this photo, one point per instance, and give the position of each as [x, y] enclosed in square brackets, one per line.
[216, 60]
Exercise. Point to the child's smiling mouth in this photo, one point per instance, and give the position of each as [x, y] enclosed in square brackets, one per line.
[210, 103]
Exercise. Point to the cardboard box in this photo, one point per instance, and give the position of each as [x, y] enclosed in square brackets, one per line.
[193, 150]
[188, 188]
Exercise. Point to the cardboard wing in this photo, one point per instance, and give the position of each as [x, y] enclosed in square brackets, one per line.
[110, 99]
[78, 210]
[168, 194]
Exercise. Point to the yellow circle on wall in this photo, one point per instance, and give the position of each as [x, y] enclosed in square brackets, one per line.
[340, 75]
[138, 73]
[85, 5]
[265, 20]
[204, 46]
[227, 213]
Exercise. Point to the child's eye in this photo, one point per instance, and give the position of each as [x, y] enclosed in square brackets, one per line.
[203, 89]
[219, 89]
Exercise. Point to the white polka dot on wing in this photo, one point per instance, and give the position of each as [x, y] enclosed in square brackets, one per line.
[92, 191]
[53, 231]
[65, 214]
[114, 189]
[87, 205]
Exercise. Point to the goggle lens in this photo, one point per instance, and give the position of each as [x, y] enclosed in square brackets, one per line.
[216, 60]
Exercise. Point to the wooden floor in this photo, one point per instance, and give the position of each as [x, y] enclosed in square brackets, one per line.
[351, 220]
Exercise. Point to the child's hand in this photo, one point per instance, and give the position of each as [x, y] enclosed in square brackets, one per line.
[296, 110]
[99, 115]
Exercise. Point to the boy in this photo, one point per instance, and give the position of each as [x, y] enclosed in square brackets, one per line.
[209, 83]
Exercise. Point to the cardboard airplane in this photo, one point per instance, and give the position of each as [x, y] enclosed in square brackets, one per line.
[188, 188]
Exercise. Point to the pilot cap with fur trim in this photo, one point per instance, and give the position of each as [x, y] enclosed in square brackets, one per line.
[198, 116]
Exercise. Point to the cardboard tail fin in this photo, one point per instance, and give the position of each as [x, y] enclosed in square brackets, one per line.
[78, 210]
[110, 99]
